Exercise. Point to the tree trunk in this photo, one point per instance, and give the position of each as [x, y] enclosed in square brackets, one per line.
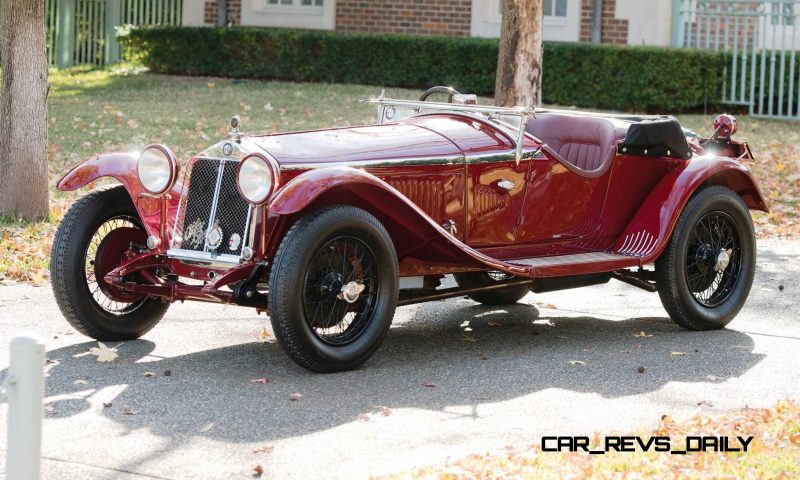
[23, 111]
[519, 64]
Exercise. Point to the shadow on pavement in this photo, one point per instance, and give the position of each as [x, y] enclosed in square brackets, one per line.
[509, 352]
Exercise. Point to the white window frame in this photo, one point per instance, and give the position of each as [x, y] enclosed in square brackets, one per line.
[259, 13]
[296, 8]
[487, 20]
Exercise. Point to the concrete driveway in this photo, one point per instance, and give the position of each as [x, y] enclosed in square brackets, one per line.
[452, 378]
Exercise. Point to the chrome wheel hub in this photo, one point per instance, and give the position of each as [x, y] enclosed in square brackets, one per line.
[723, 259]
[350, 292]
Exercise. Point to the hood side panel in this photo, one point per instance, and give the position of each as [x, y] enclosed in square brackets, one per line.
[356, 144]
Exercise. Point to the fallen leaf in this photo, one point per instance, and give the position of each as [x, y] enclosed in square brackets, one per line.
[495, 324]
[211, 84]
[576, 362]
[126, 410]
[258, 469]
[264, 449]
[641, 369]
[713, 378]
[107, 404]
[80, 382]
[295, 396]
[677, 354]
[260, 380]
[264, 334]
[429, 385]
[104, 354]
[466, 337]
[149, 374]
[167, 373]
[642, 335]
[795, 438]
[385, 411]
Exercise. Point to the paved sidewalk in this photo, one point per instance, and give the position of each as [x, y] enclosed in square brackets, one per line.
[508, 381]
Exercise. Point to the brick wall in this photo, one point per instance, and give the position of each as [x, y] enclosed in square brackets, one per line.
[612, 30]
[234, 11]
[419, 17]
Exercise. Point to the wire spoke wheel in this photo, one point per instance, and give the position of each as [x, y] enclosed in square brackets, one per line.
[341, 289]
[713, 260]
[105, 296]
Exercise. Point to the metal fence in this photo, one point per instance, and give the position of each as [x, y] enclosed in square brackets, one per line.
[760, 37]
[83, 32]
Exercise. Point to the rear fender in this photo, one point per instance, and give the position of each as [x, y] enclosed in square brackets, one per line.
[648, 233]
[121, 166]
[414, 234]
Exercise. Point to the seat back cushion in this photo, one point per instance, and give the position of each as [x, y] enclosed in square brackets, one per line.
[585, 142]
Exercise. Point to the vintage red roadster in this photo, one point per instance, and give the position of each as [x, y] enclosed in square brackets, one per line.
[328, 231]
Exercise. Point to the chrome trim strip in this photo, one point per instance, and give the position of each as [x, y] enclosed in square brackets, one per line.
[222, 259]
[246, 233]
[184, 192]
[214, 204]
[394, 162]
[494, 157]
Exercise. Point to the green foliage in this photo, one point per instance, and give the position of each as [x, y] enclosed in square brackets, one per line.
[579, 74]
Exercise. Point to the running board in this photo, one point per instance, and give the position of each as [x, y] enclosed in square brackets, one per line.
[575, 264]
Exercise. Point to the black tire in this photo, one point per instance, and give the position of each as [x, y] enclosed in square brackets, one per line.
[79, 294]
[306, 274]
[506, 296]
[705, 273]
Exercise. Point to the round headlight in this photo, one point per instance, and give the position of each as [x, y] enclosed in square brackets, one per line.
[156, 169]
[256, 179]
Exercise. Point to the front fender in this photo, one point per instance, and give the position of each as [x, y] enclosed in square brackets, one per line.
[416, 236]
[121, 166]
[650, 230]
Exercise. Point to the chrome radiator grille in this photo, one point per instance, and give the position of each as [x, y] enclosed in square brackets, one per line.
[212, 217]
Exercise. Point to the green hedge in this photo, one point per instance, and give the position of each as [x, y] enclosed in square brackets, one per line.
[579, 74]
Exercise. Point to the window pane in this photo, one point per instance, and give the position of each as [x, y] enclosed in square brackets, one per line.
[318, 3]
[305, 2]
[561, 8]
[548, 7]
[286, 2]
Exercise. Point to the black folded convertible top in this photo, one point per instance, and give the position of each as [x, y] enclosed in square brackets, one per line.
[661, 137]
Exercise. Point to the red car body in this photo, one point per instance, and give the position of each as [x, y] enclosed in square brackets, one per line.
[432, 181]
[329, 230]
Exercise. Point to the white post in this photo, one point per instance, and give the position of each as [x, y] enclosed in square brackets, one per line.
[24, 387]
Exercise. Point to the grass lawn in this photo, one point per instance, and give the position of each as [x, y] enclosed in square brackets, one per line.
[93, 111]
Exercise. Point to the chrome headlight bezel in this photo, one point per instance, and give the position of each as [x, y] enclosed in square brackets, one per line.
[148, 169]
[256, 178]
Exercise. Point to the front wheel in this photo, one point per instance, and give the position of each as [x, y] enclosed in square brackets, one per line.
[333, 289]
[92, 240]
[705, 274]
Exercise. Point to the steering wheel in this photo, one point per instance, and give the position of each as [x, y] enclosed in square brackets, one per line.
[450, 91]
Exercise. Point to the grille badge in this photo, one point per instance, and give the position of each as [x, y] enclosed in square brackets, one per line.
[193, 237]
[234, 242]
[214, 236]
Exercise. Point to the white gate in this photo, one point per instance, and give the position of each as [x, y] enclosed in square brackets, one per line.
[760, 37]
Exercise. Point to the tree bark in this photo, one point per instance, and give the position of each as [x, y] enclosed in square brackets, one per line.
[519, 63]
[23, 111]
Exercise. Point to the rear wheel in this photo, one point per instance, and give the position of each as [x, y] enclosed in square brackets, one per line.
[505, 296]
[705, 274]
[333, 289]
[90, 242]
